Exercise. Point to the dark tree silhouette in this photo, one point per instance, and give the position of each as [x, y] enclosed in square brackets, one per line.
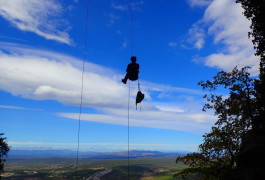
[235, 149]
[255, 11]
[4, 148]
[252, 152]
[218, 153]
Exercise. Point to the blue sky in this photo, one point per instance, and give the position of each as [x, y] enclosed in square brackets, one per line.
[178, 43]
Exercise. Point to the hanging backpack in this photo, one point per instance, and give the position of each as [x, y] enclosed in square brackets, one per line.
[139, 98]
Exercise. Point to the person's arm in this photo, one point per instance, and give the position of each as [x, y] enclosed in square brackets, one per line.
[128, 67]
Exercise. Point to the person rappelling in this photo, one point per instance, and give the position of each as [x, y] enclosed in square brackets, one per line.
[132, 74]
[132, 71]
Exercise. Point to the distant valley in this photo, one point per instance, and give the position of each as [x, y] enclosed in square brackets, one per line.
[29, 154]
[61, 165]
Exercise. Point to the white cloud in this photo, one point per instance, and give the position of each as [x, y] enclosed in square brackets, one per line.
[189, 122]
[199, 3]
[11, 107]
[197, 35]
[228, 61]
[17, 107]
[170, 108]
[43, 75]
[165, 89]
[136, 6]
[40, 74]
[36, 16]
[172, 44]
[229, 28]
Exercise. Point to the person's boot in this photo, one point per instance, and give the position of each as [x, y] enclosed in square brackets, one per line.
[124, 81]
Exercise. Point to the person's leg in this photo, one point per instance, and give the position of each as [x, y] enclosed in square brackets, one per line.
[125, 78]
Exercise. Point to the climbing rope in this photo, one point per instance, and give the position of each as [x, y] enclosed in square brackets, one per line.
[82, 89]
[132, 51]
[132, 35]
[128, 135]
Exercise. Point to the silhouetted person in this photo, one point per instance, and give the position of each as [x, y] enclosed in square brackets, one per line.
[132, 71]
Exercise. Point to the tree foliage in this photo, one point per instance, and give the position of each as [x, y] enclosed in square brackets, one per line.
[241, 115]
[4, 148]
[255, 11]
[218, 153]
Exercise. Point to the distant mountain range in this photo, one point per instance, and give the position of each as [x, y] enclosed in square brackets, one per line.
[30, 154]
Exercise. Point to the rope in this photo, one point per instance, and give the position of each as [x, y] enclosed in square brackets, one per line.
[138, 90]
[128, 160]
[131, 18]
[132, 51]
[82, 89]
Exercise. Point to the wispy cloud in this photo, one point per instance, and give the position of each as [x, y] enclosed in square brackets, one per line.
[197, 35]
[223, 19]
[199, 3]
[117, 6]
[230, 29]
[11, 107]
[172, 44]
[136, 5]
[17, 107]
[22, 74]
[61, 77]
[113, 18]
[36, 16]
[182, 121]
